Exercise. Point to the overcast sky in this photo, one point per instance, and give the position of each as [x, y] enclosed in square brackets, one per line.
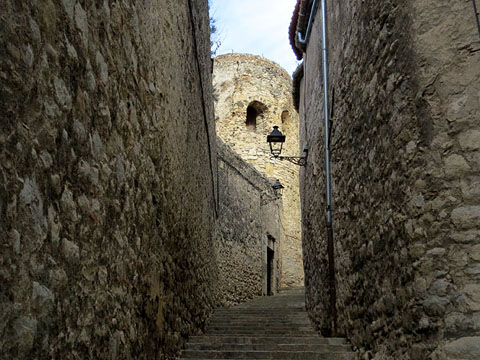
[258, 27]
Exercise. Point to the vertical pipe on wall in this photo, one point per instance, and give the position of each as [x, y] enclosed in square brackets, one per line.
[476, 15]
[329, 215]
[304, 40]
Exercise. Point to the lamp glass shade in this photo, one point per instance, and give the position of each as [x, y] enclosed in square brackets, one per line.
[277, 185]
[276, 140]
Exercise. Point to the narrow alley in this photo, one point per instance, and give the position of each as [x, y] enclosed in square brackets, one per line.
[159, 200]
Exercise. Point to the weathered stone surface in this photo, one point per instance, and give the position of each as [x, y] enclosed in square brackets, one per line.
[405, 168]
[249, 222]
[42, 297]
[253, 95]
[63, 96]
[25, 329]
[31, 203]
[456, 166]
[107, 178]
[70, 250]
[466, 217]
[465, 348]
[472, 292]
[470, 140]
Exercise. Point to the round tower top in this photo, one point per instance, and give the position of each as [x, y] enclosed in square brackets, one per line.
[254, 61]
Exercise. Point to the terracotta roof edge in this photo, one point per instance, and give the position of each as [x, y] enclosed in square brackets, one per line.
[292, 31]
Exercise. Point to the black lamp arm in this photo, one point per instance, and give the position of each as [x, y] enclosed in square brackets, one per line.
[297, 160]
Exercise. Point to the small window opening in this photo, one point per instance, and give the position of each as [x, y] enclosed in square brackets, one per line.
[285, 117]
[251, 117]
[254, 110]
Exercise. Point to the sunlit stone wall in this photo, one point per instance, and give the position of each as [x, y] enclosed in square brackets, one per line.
[248, 86]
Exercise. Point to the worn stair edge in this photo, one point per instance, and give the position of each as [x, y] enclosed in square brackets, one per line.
[267, 339]
[268, 347]
[293, 355]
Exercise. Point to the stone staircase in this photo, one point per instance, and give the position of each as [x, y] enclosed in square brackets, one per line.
[274, 327]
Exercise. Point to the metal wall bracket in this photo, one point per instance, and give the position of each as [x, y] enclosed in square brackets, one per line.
[297, 160]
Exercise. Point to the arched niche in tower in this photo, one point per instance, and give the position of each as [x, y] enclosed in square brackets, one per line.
[285, 118]
[254, 111]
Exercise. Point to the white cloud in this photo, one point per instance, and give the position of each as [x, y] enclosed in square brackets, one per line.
[258, 27]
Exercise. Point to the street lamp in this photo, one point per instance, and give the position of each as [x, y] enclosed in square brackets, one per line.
[277, 187]
[277, 190]
[276, 140]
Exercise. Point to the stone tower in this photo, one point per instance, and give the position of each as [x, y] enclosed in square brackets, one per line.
[252, 95]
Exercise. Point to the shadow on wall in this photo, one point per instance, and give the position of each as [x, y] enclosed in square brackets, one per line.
[404, 165]
[107, 224]
[249, 230]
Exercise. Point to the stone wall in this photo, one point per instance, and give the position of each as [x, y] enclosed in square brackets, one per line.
[405, 146]
[242, 81]
[249, 222]
[107, 201]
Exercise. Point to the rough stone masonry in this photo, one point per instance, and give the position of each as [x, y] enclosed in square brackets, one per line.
[406, 176]
[107, 189]
[249, 227]
[252, 94]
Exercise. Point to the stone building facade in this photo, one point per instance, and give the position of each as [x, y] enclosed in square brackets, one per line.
[405, 149]
[107, 178]
[252, 94]
[249, 230]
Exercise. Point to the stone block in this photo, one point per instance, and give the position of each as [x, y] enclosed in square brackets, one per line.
[70, 250]
[464, 348]
[42, 297]
[470, 140]
[456, 166]
[473, 294]
[62, 94]
[25, 331]
[475, 253]
[466, 217]
[69, 7]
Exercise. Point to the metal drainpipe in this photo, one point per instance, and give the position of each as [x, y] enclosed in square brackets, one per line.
[300, 38]
[330, 242]
[329, 214]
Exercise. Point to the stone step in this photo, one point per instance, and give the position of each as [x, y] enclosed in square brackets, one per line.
[212, 339]
[256, 319]
[268, 312]
[268, 347]
[265, 324]
[292, 355]
[274, 327]
[259, 319]
[266, 327]
[273, 314]
[262, 332]
[255, 329]
[251, 313]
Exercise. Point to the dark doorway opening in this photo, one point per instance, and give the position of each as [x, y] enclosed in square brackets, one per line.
[270, 257]
[251, 118]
